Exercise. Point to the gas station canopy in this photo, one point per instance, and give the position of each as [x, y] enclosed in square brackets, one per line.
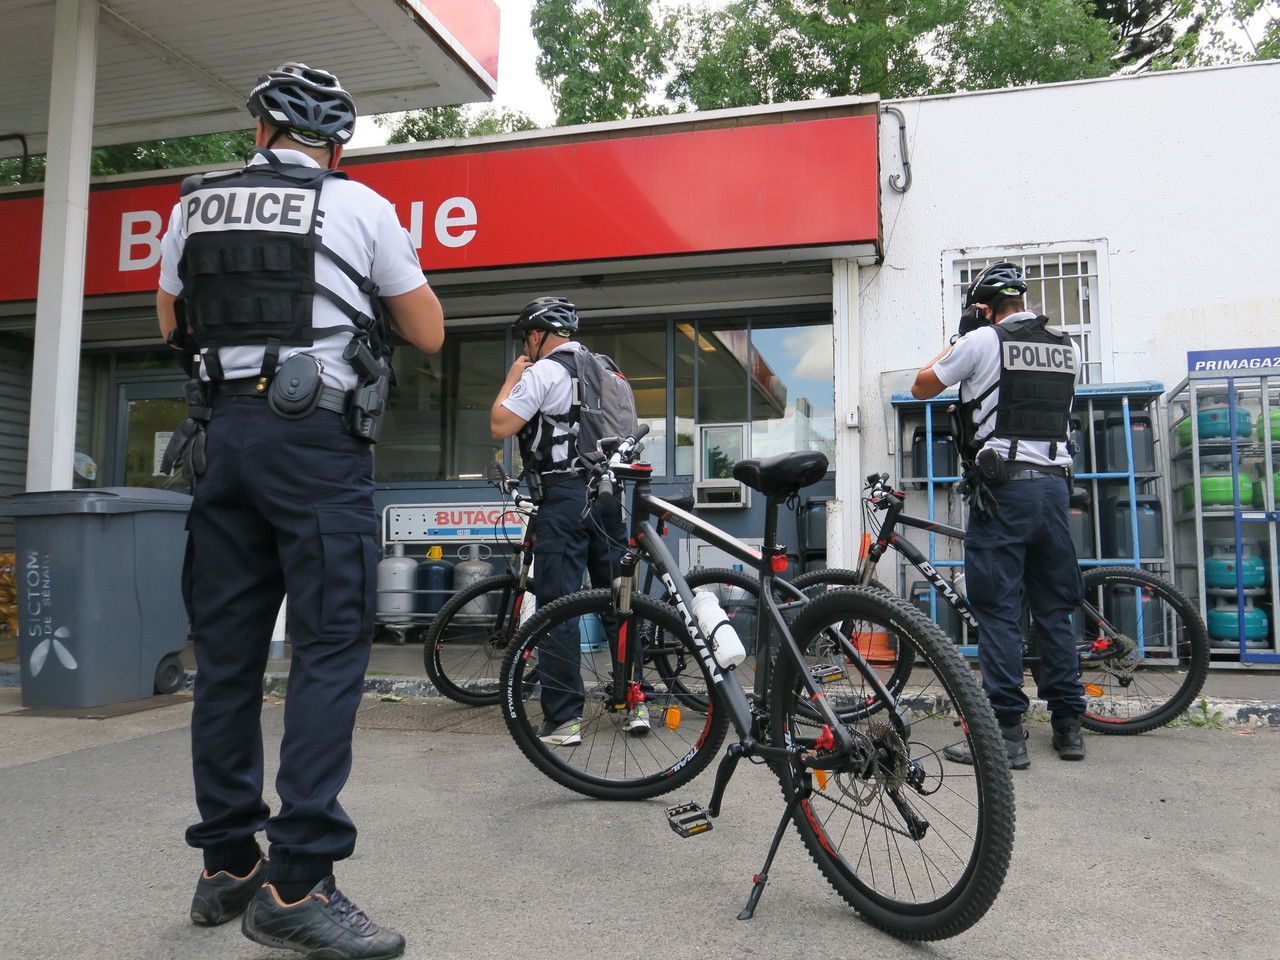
[169, 68]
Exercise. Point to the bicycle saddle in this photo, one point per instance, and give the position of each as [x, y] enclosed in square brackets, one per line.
[782, 476]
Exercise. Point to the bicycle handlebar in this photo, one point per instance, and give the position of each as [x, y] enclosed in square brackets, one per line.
[622, 453]
[506, 485]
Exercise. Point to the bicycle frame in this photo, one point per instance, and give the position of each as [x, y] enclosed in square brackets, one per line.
[645, 536]
[894, 516]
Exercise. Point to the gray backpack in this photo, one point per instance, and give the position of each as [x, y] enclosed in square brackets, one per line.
[603, 404]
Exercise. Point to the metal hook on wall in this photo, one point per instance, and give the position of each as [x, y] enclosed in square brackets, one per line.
[901, 184]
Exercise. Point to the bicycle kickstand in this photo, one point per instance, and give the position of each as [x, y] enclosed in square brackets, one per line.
[802, 790]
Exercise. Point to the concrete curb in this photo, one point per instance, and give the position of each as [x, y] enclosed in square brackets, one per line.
[1215, 711]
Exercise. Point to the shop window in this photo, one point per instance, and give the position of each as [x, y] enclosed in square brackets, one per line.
[437, 427]
[792, 390]
[89, 468]
[1063, 284]
[774, 374]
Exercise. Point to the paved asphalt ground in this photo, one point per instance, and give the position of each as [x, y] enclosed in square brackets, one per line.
[1162, 846]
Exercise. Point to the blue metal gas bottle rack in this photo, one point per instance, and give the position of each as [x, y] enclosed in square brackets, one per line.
[1093, 403]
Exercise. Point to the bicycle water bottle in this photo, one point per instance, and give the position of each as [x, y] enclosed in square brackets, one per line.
[726, 645]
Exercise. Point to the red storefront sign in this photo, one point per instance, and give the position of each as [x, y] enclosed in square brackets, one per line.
[804, 183]
[475, 25]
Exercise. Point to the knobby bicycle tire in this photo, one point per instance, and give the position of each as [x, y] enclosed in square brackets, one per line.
[980, 874]
[609, 763]
[470, 676]
[1143, 703]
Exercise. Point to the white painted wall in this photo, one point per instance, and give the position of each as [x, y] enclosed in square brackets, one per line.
[1179, 174]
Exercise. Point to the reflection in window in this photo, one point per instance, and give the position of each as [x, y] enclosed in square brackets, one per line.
[777, 376]
[792, 390]
[437, 426]
[641, 354]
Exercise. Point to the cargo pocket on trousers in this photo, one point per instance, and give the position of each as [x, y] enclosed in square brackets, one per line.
[348, 586]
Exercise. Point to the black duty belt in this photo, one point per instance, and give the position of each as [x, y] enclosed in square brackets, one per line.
[330, 398]
[1024, 471]
[551, 479]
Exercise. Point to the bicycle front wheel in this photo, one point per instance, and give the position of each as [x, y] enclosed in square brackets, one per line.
[1144, 662]
[550, 679]
[466, 642]
[917, 844]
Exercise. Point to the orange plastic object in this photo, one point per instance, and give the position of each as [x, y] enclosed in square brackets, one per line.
[671, 717]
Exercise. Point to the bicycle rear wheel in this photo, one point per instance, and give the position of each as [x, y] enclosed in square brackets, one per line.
[917, 845]
[609, 762]
[466, 642]
[1151, 672]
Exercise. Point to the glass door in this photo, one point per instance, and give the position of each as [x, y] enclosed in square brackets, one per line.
[147, 413]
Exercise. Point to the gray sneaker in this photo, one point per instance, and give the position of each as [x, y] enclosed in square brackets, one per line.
[223, 896]
[567, 734]
[637, 722]
[324, 925]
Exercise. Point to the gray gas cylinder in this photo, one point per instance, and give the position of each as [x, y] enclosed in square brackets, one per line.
[397, 578]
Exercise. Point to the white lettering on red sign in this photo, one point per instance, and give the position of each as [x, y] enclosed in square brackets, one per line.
[148, 238]
[455, 213]
[140, 231]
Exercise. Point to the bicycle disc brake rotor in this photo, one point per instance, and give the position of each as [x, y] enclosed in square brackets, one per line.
[888, 768]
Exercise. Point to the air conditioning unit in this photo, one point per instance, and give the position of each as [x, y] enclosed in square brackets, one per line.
[718, 447]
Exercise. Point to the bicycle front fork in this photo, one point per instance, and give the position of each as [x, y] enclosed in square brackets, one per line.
[625, 691]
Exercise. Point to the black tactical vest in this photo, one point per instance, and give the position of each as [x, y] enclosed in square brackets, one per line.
[248, 265]
[1037, 386]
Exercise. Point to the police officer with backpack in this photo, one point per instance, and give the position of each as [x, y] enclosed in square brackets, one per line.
[273, 281]
[1017, 378]
[541, 403]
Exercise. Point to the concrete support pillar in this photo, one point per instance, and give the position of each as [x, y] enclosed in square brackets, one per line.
[60, 293]
[844, 513]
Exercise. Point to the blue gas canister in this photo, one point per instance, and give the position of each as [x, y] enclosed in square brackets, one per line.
[435, 574]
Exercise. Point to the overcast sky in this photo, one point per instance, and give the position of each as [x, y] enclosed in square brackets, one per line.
[518, 85]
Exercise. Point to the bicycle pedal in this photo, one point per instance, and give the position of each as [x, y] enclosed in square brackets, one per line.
[826, 674]
[688, 819]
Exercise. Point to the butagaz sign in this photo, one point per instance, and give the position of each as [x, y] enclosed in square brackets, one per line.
[1244, 360]
[432, 523]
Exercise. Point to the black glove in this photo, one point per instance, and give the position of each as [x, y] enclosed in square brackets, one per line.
[186, 447]
[971, 320]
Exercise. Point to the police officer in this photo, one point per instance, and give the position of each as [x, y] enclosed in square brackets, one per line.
[1017, 379]
[536, 405]
[276, 271]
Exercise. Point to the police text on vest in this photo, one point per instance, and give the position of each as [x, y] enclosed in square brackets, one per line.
[272, 209]
[1039, 356]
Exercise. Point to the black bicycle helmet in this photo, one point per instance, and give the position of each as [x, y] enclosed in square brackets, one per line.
[548, 313]
[308, 104]
[1001, 279]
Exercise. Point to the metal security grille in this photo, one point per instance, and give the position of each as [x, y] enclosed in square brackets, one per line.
[1063, 286]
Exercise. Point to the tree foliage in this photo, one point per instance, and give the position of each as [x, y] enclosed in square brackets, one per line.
[202, 150]
[601, 59]
[453, 123]
[761, 51]
[1152, 32]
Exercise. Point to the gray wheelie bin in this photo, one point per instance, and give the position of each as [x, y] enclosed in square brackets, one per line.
[100, 611]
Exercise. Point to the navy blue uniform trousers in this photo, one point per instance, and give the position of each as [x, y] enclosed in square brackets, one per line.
[1025, 543]
[565, 545]
[284, 505]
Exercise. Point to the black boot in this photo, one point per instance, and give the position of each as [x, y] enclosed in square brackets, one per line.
[1067, 738]
[1015, 742]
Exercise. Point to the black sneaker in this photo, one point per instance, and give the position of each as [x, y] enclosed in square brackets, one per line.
[324, 925]
[223, 897]
[1015, 743]
[1067, 739]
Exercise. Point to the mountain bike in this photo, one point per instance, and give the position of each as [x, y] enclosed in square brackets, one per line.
[463, 647]
[1144, 650]
[918, 847]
